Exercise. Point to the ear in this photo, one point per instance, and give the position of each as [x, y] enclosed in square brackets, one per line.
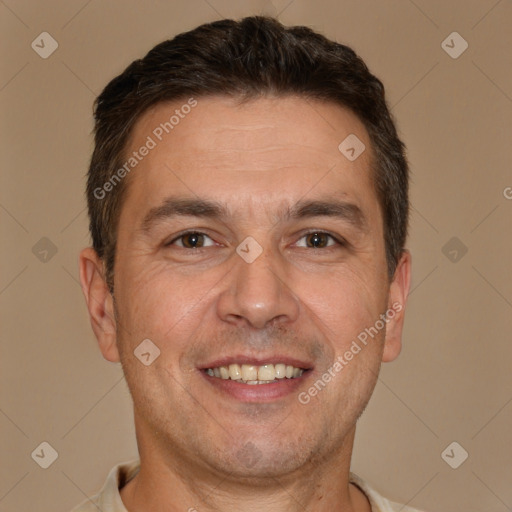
[100, 303]
[397, 298]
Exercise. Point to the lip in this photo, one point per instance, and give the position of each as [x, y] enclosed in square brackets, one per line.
[256, 393]
[259, 361]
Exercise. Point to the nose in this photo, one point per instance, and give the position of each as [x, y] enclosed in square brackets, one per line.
[258, 294]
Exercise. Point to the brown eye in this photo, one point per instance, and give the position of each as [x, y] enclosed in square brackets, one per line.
[317, 240]
[321, 240]
[191, 240]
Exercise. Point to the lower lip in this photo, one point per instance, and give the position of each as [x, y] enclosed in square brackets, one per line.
[257, 392]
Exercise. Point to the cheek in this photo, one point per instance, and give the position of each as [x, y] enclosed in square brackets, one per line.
[344, 302]
[159, 301]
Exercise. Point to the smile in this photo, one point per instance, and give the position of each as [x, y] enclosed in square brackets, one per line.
[252, 374]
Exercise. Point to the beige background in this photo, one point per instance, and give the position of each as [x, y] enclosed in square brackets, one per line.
[453, 379]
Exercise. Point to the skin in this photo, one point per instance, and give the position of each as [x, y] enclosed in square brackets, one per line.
[200, 447]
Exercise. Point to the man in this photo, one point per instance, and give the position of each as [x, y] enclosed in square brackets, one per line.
[248, 201]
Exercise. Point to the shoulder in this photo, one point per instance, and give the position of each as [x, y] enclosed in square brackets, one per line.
[378, 502]
[108, 498]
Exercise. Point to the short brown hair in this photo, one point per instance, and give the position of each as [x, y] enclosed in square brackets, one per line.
[253, 57]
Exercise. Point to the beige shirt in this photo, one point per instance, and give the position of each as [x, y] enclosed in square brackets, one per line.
[109, 499]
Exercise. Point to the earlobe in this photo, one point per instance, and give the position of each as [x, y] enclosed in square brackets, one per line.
[99, 303]
[397, 299]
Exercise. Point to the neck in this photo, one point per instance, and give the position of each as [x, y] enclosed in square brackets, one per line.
[170, 482]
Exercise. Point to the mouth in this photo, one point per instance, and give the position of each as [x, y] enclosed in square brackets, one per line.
[249, 380]
[255, 374]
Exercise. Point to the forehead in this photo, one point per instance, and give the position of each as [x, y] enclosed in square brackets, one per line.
[266, 150]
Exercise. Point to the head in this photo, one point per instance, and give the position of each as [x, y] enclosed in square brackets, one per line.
[234, 132]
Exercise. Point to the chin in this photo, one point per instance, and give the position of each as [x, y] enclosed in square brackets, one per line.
[260, 460]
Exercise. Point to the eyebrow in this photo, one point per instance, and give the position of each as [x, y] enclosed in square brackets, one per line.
[203, 208]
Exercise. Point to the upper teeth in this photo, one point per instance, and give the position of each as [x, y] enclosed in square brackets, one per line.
[255, 374]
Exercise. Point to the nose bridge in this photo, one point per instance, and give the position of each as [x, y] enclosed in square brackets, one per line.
[258, 291]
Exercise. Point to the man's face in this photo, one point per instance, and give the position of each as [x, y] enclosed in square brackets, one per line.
[301, 302]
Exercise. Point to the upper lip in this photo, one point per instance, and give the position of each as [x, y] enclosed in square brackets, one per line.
[257, 361]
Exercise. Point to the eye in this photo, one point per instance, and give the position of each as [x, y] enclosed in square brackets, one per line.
[191, 240]
[197, 240]
[319, 240]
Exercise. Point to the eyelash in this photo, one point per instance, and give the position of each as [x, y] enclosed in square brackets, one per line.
[339, 241]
